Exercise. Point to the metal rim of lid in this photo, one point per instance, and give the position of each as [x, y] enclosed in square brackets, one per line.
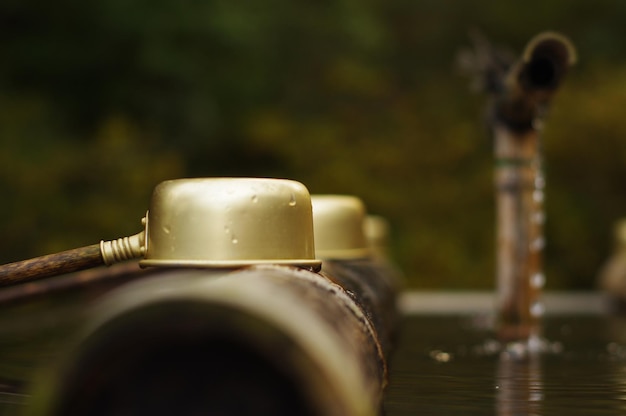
[193, 223]
[339, 222]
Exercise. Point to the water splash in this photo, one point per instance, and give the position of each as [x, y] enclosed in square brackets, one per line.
[441, 356]
[518, 350]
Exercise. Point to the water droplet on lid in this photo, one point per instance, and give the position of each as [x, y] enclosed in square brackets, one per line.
[292, 200]
[234, 240]
[166, 229]
[255, 199]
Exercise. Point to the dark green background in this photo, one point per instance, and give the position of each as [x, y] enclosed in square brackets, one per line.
[102, 100]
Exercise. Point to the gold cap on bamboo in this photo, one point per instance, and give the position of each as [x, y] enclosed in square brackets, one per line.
[338, 223]
[229, 222]
[376, 229]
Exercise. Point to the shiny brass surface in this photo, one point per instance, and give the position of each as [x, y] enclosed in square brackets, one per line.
[376, 230]
[339, 227]
[126, 248]
[202, 222]
[229, 222]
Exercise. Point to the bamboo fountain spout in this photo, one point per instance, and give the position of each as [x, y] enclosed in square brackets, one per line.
[518, 109]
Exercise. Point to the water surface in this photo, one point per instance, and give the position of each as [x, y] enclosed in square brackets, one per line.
[446, 360]
[449, 364]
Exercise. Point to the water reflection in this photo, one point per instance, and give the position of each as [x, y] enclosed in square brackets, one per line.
[448, 365]
[519, 386]
[617, 353]
[442, 365]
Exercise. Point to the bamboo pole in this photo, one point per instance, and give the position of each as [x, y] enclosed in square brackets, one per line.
[260, 340]
[96, 278]
[50, 265]
[103, 253]
[518, 109]
[520, 240]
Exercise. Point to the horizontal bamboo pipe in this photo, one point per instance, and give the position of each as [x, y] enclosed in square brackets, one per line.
[373, 284]
[265, 340]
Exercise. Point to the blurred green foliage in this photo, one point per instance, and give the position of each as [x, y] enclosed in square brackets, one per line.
[100, 101]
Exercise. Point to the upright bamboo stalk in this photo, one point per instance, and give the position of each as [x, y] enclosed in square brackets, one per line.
[520, 101]
[519, 198]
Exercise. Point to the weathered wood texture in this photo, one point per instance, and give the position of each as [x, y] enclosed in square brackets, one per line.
[261, 340]
[520, 217]
[50, 265]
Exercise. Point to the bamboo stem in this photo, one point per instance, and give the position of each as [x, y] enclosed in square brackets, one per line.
[104, 253]
[50, 265]
[99, 276]
[518, 108]
[519, 194]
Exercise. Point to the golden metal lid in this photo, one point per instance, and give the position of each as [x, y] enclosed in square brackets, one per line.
[338, 222]
[376, 230]
[229, 222]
